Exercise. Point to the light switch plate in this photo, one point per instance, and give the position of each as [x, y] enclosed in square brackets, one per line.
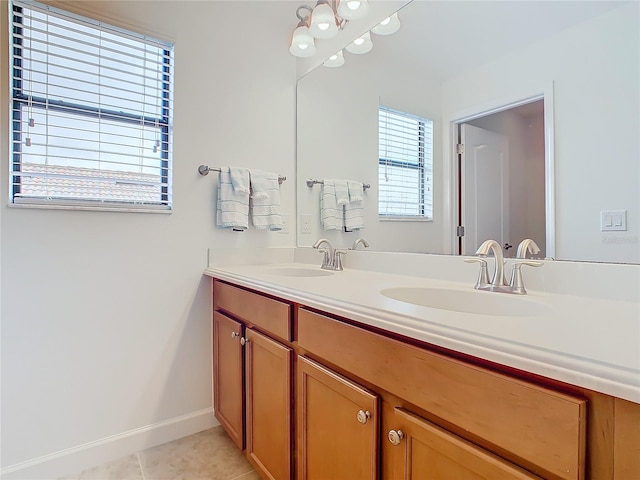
[613, 220]
[285, 223]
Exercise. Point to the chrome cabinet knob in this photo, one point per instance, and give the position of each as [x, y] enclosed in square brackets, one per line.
[395, 437]
[234, 335]
[244, 340]
[363, 416]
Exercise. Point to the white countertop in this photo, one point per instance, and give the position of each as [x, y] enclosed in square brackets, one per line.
[586, 341]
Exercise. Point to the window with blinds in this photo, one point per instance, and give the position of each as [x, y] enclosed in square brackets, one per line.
[91, 112]
[405, 165]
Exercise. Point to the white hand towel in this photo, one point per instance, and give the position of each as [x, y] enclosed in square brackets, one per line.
[330, 213]
[239, 179]
[265, 200]
[342, 192]
[354, 210]
[355, 191]
[232, 210]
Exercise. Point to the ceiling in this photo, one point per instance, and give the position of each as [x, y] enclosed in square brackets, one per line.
[445, 38]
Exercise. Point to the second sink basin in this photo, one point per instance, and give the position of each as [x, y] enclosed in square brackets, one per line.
[473, 301]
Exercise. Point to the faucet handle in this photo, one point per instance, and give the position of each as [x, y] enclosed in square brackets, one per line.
[326, 261]
[337, 261]
[517, 284]
[527, 246]
[483, 276]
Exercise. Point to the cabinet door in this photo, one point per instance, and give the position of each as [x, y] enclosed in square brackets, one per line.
[427, 452]
[337, 426]
[228, 399]
[268, 390]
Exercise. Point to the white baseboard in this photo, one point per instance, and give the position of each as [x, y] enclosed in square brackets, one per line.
[75, 459]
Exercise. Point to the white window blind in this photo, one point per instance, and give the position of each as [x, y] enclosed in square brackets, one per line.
[91, 112]
[405, 165]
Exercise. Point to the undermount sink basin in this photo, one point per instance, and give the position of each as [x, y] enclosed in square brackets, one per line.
[298, 272]
[472, 301]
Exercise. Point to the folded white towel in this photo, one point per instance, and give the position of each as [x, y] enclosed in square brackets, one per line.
[355, 191]
[232, 210]
[239, 179]
[342, 192]
[330, 214]
[265, 200]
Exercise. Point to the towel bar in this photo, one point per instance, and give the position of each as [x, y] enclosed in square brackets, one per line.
[312, 182]
[205, 169]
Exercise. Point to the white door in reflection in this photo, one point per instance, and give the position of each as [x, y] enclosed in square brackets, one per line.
[485, 187]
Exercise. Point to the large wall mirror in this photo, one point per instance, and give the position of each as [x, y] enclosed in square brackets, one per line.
[557, 82]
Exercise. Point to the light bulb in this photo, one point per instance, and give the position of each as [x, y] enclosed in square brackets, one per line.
[323, 21]
[335, 60]
[360, 45]
[388, 26]
[353, 9]
[302, 43]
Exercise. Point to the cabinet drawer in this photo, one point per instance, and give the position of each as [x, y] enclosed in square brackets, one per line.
[543, 429]
[424, 451]
[262, 312]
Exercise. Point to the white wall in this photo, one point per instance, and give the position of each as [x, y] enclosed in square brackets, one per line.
[338, 138]
[106, 316]
[597, 120]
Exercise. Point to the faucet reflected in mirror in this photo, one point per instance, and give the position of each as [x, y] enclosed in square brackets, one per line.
[498, 283]
[360, 241]
[331, 257]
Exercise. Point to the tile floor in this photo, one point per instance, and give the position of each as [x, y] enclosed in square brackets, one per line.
[208, 455]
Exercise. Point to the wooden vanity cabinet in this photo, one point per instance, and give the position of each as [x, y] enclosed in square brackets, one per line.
[338, 426]
[252, 376]
[359, 404]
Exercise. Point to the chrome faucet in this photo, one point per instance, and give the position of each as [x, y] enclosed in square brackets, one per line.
[328, 253]
[527, 246]
[332, 257]
[497, 282]
[359, 241]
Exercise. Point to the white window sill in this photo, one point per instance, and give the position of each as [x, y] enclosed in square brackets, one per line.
[405, 219]
[48, 205]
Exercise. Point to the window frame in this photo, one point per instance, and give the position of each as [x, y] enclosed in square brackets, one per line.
[419, 166]
[19, 101]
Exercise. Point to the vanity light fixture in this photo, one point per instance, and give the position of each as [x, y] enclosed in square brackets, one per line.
[361, 44]
[334, 61]
[302, 42]
[353, 9]
[388, 26]
[323, 21]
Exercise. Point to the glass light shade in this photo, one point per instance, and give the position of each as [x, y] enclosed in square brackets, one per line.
[323, 21]
[353, 9]
[335, 60]
[302, 43]
[388, 26]
[361, 44]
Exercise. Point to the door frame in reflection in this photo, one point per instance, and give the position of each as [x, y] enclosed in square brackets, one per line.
[453, 190]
